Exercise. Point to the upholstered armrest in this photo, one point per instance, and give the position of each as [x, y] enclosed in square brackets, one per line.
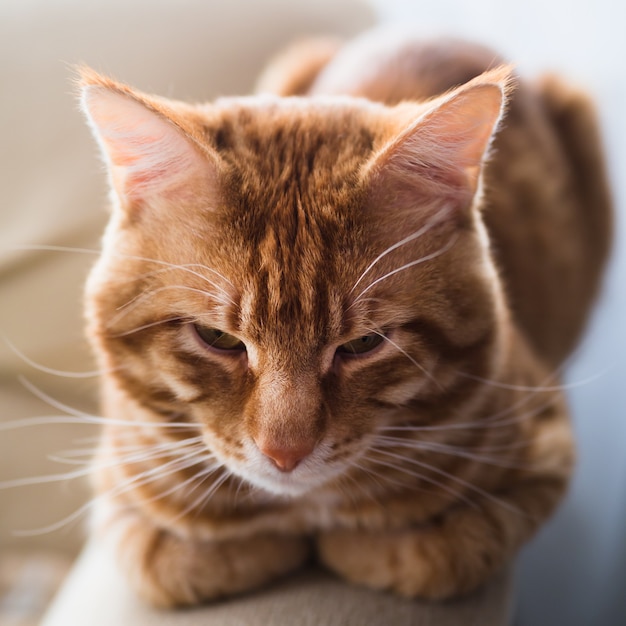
[95, 594]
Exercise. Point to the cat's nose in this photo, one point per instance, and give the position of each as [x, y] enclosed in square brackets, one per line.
[285, 457]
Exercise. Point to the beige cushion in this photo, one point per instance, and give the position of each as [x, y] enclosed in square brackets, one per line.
[94, 595]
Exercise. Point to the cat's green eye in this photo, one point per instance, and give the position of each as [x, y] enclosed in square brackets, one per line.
[362, 345]
[218, 339]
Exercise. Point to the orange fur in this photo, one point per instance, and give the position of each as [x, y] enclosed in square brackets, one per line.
[329, 324]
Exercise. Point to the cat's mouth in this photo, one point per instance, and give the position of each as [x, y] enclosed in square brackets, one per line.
[295, 480]
[291, 485]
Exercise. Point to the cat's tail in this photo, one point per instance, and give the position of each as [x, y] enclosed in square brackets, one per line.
[295, 69]
[574, 120]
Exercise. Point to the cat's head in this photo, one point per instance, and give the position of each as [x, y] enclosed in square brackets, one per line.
[293, 274]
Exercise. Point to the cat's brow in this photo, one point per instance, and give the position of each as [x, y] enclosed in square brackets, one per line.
[429, 257]
[433, 221]
[135, 302]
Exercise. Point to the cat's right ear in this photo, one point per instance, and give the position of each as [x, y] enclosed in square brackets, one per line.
[437, 160]
[149, 153]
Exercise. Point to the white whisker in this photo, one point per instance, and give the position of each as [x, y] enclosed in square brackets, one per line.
[177, 487]
[66, 521]
[55, 404]
[47, 420]
[83, 417]
[452, 477]
[87, 420]
[515, 445]
[416, 235]
[50, 370]
[204, 498]
[431, 446]
[132, 257]
[75, 452]
[377, 476]
[127, 485]
[408, 356]
[170, 267]
[538, 388]
[137, 329]
[136, 457]
[128, 454]
[487, 423]
[39, 480]
[419, 475]
[241, 482]
[133, 303]
[406, 266]
[349, 492]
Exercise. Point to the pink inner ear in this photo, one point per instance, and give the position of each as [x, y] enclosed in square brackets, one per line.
[147, 153]
[467, 125]
[441, 153]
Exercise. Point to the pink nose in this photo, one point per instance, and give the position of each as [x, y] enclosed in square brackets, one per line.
[285, 457]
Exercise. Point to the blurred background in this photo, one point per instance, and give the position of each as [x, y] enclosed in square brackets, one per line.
[54, 194]
[574, 572]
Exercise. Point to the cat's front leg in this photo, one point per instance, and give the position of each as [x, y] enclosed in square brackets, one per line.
[168, 570]
[449, 556]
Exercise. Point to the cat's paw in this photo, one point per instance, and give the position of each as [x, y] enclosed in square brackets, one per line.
[168, 571]
[416, 562]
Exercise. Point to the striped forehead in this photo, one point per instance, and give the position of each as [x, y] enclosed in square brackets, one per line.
[293, 208]
[291, 298]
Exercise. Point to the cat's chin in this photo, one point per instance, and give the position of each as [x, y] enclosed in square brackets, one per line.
[298, 483]
[288, 485]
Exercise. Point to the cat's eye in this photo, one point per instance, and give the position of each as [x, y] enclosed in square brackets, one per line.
[218, 339]
[361, 345]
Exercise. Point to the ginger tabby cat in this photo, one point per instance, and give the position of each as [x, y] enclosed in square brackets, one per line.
[331, 320]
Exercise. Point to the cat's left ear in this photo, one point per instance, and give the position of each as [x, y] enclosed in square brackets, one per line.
[438, 158]
[150, 154]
